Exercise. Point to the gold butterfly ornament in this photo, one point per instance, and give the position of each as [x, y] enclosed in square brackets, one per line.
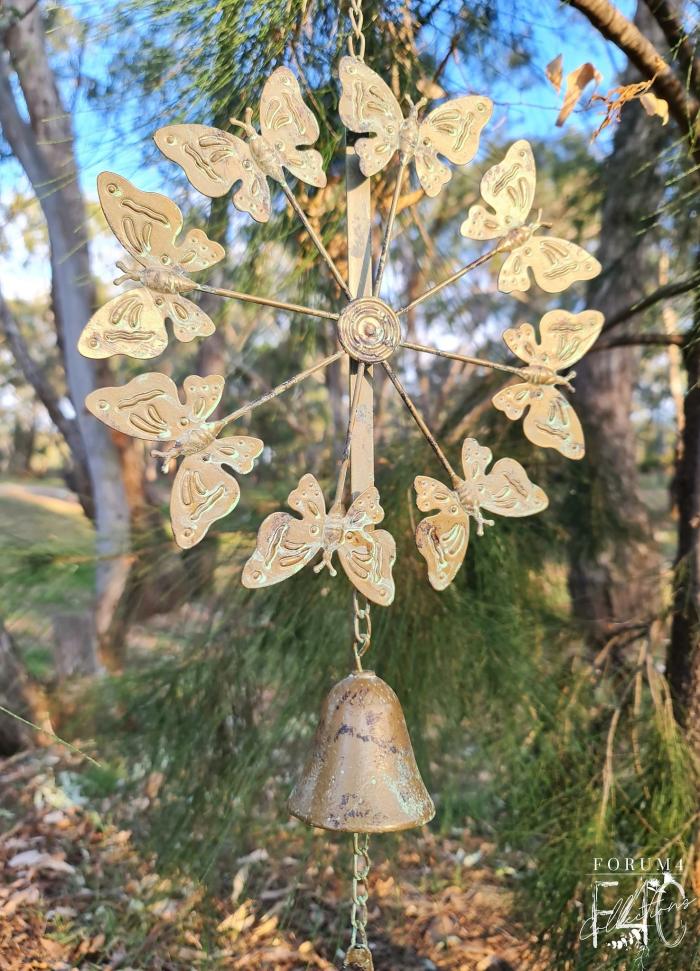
[550, 421]
[453, 129]
[149, 408]
[148, 225]
[506, 490]
[286, 543]
[509, 189]
[214, 160]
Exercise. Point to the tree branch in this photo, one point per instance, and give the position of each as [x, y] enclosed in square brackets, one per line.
[664, 292]
[642, 340]
[678, 40]
[614, 26]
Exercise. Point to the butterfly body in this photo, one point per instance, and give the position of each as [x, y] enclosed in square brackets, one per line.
[149, 408]
[452, 129]
[508, 188]
[286, 544]
[549, 421]
[443, 538]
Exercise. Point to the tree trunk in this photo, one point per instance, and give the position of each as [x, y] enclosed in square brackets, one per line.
[683, 663]
[616, 583]
[44, 148]
[21, 697]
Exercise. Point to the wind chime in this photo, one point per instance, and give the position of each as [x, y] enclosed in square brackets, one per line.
[361, 776]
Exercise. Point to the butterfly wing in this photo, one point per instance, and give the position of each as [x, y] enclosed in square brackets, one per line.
[214, 161]
[514, 399]
[287, 122]
[566, 337]
[367, 104]
[441, 539]
[147, 224]
[202, 493]
[238, 452]
[187, 319]
[131, 323]
[551, 422]
[452, 130]
[475, 460]
[509, 188]
[522, 341]
[286, 544]
[554, 263]
[367, 554]
[148, 407]
[508, 491]
[202, 395]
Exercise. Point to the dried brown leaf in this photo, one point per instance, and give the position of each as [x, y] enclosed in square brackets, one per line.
[576, 82]
[555, 72]
[655, 106]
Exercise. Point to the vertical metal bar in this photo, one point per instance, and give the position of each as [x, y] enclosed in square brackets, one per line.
[359, 217]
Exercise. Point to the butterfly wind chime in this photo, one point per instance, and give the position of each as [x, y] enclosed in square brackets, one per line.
[361, 776]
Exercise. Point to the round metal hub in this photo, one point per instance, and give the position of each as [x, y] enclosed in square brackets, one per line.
[369, 330]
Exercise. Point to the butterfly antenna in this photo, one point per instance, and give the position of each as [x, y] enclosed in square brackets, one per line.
[166, 456]
[126, 274]
[247, 124]
[540, 224]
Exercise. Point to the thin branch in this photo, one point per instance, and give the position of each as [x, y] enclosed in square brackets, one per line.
[484, 258]
[280, 389]
[293, 308]
[664, 292]
[419, 420]
[678, 39]
[642, 340]
[316, 240]
[478, 361]
[386, 241]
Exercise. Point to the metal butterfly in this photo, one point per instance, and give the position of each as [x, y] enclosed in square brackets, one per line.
[214, 160]
[550, 421]
[148, 225]
[149, 408]
[509, 188]
[286, 544]
[443, 539]
[453, 129]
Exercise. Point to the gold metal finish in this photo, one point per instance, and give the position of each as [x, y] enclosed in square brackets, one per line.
[453, 129]
[149, 408]
[148, 225]
[386, 241]
[361, 775]
[442, 539]
[214, 161]
[450, 279]
[286, 544]
[369, 330]
[509, 188]
[454, 356]
[316, 240]
[550, 421]
[293, 308]
[359, 955]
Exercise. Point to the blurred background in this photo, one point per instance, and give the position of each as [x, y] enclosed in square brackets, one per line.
[552, 692]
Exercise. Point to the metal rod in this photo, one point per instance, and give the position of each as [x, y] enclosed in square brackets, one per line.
[345, 458]
[386, 242]
[316, 240]
[280, 389]
[419, 420]
[478, 361]
[484, 258]
[294, 308]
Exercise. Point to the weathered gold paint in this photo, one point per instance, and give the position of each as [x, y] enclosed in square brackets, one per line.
[361, 776]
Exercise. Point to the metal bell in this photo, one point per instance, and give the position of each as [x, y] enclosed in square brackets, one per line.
[361, 776]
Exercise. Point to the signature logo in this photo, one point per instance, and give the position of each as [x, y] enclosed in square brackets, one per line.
[621, 920]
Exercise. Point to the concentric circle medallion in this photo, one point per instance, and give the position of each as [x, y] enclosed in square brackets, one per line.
[369, 330]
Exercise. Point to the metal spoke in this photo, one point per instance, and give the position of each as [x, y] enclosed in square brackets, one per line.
[345, 459]
[294, 308]
[280, 389]
[478, 361]
[484, 258]
[316, 240]
[386, 242]
[419, 420]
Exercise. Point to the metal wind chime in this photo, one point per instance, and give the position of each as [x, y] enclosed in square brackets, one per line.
[361, 776]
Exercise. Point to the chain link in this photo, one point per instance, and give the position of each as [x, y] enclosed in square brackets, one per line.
[357, 20]
[361, 864]
[362, 622]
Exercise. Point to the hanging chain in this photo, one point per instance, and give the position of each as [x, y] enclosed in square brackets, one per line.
[363, 628]
[359, 954]
[357, 20]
